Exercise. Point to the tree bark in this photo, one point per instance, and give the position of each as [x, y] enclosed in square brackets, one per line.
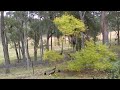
[41, 46]
[5, 44]
[25, 46]
[62, 47]
[35, 47]
[23, 43]
[17, 55]
[19, 49]
[104, 27]
[118, 34]
[51, 42]
[28, 51]
[23, 49]
[82, 14]
[47, 46]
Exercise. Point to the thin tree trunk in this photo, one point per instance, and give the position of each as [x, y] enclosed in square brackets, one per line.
[23, 43]
[118, 37]
[35, 48]
[17, 55]
[41, 46]
[47, 46]
[62, 47]
[76, 41]
[51, 42]
[4, 43]
[110, 38]
[82, 14]
[28, 51]
[19, 49]
[6, 39]
[118, 33]
[23, 49]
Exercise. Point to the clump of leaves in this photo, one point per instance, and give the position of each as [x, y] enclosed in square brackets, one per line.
[52, 56]
[114, 73]
[68, 24]
[96, 57]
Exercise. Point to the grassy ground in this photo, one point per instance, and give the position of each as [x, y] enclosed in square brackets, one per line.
[12, 53]
[22, 73]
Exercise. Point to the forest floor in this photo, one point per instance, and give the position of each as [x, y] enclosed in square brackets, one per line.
[19, 71]
[22, 73]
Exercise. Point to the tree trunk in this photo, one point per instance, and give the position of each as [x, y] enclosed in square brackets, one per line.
[62, 47]
[47, 46]
[28, 51]
[35, 47]
[23, 49]
[110, 38]
[82, 14]
[41, 46]
[118, 36]
[51, 42]
[4, 43]
[76, 41]
[23, 43]
[118, 33]
[19, 49]
[6, 39]
[104, 27]
[17, 55]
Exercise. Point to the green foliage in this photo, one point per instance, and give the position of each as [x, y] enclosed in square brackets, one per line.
[68, 24]
[114, 73]
[11, 27]
[52, 56]
[96, 57]
[92, 20]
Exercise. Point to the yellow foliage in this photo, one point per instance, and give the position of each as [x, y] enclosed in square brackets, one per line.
[52, 56]
[68, 24]
[97, 57]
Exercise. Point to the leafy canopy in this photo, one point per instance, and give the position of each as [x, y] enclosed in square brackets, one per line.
[69, 25]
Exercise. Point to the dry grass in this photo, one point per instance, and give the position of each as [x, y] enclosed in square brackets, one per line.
[22, 73]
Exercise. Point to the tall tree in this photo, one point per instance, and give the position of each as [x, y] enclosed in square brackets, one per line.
[70, 26]
[22, 18]
[5, 44]
[114, 23]
[12, 33]
[82, 14]
[104, 26]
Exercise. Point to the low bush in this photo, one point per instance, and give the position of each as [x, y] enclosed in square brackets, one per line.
[52, 56]
[96, 57]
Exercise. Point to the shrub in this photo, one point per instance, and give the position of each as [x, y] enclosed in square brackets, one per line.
[52, 56]
[114, 73]
[97, 57]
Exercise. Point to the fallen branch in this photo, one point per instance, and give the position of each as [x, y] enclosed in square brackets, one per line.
[49, 72]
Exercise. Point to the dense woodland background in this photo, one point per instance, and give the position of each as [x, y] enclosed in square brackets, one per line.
[86, 41]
